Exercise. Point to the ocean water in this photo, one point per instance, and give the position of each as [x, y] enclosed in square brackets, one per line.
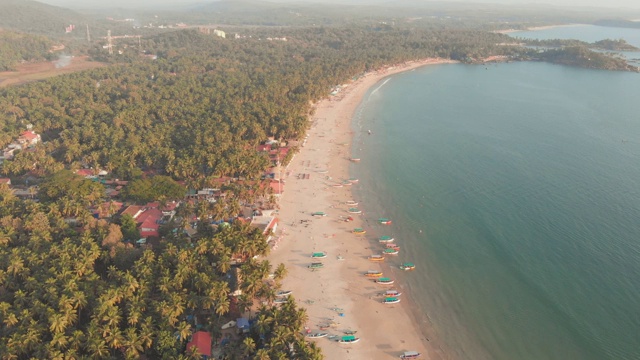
[515, 189]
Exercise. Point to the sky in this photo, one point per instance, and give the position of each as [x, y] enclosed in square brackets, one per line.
[632, 4]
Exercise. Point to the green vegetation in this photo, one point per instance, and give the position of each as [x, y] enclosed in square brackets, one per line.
[76, 286]
[16, 47]
[583, 57]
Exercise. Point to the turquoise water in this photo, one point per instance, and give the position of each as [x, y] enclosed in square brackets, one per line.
[588, 33]
[514, 189]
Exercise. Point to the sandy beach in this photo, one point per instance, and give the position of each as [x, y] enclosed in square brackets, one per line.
[339, 295]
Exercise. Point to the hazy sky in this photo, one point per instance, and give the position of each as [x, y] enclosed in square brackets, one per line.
[635, 4]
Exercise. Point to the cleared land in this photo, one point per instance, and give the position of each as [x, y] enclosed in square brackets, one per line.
[38, 71]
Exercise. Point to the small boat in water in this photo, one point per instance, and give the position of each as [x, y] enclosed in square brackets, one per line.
[385, 239]
[407, 266]
[348, 339]
[283, 293]
[319, 255]
[391, 251]
[410, 355]
[373, 273]
[384, 281]
[376, 258]
[359, 231]
[391, 300]
[354, 211]
[384, 221]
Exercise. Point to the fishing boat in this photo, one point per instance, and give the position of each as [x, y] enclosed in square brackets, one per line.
[359, 231]
[322, 171]
[407, 266]
[347, 183]
[316, 265]
[337, 185]
[392, 246]
[280, 300]
[391, 251]
[391, 300]
[353, 180]
[384, 281]
[352, 203]
[376, 258]
[348, 339]
[373, 273]
[385, 239]
[317, 335]
[391, 293]
[355, 159]
[350, 332]
[354, 211]
[318, 213]
[319, 255]
[283, 293]
[410, 355]
[384, 221]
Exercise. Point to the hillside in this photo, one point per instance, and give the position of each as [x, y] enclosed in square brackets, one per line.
[37, 18]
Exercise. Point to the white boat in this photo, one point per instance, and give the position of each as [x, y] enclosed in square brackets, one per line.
[391, 293]
[348, 339]
[317, 335]
[385, 239]
[283, 293]
[352, 203]
[354, 211]
[410, 355]
[391, 300]
[280, 300]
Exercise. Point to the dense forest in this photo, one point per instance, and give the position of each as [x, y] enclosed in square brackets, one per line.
[17, 47]
[178, 110]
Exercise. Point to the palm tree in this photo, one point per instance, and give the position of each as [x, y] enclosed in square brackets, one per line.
[262, 354]
[280, 272]
[248, 346]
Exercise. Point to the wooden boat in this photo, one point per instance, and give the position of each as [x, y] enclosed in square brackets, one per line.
[319, 255]
[359, 231]
[391, 300]
[410, 355]
[318, 213]
[384, 281]
[316, 265]
[355, 159]
[391, 251]
[317, 335]
[283, 293]
[376, 258]
[407, 266]
[391, 293]
[348, 339]
[354, 211]
[373, 273]
[384, 221]
[385, 239]
[352, 203]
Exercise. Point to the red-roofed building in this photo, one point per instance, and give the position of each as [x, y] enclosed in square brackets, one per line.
[149, 223]
[263, 147]
[201, 342]
[133, 210]
[5, 181]
[88, 173]
[277, 187]
[29, 137]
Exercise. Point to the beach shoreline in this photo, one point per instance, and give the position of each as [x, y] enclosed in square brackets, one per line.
[339, 297]
[535, 28]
